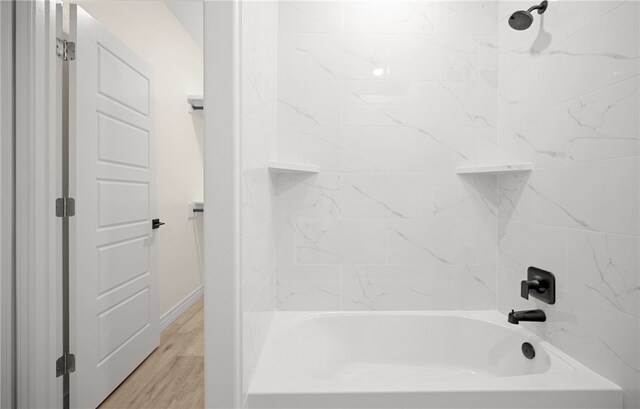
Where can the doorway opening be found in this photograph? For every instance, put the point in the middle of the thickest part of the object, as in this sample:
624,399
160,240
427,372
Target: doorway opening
136,172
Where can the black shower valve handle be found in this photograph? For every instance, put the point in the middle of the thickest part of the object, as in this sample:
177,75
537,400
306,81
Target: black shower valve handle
540,284
528,285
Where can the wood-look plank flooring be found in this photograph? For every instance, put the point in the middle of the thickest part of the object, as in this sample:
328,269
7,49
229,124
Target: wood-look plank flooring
172,377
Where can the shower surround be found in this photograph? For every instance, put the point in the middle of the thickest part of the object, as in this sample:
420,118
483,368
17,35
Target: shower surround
569,103
388,98
259,95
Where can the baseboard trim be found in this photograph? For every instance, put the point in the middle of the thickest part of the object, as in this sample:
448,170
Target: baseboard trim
178,309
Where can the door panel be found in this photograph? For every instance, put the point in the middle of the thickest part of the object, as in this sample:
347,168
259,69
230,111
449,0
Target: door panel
114,296
122,321
122,202
122,143
121,262
121,82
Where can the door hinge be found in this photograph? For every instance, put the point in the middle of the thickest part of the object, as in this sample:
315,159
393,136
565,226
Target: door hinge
66,364
65,207
65,49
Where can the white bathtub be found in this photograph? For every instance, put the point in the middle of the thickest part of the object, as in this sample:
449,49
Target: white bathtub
417,360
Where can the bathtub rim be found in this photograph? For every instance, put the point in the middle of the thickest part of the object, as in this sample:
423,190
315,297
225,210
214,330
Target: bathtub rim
270,378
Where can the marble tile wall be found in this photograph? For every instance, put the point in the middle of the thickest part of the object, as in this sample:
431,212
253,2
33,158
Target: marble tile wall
387,98
569,103
259,95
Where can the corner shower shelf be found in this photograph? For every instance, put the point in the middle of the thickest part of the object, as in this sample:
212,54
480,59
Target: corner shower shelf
495,169
287,167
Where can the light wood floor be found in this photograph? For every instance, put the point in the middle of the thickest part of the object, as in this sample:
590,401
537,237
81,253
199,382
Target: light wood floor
173,375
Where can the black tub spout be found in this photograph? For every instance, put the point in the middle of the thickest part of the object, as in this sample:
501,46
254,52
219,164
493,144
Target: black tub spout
529,315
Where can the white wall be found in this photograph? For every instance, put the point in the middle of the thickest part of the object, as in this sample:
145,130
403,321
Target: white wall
190,14
151,30
388,98
570,104
259,87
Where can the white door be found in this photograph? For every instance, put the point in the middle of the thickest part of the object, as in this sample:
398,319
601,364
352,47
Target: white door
113,266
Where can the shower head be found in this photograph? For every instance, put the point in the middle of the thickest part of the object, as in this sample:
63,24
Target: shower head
522,19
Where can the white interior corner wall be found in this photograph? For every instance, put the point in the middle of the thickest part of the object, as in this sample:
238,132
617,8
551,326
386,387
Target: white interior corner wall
189,13
222,278
152,31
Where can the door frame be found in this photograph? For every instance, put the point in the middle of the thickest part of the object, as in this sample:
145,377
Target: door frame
222,196
7,228
38,182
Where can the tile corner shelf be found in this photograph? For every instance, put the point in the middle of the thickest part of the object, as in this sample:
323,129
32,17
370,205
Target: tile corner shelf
495,169
287,167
